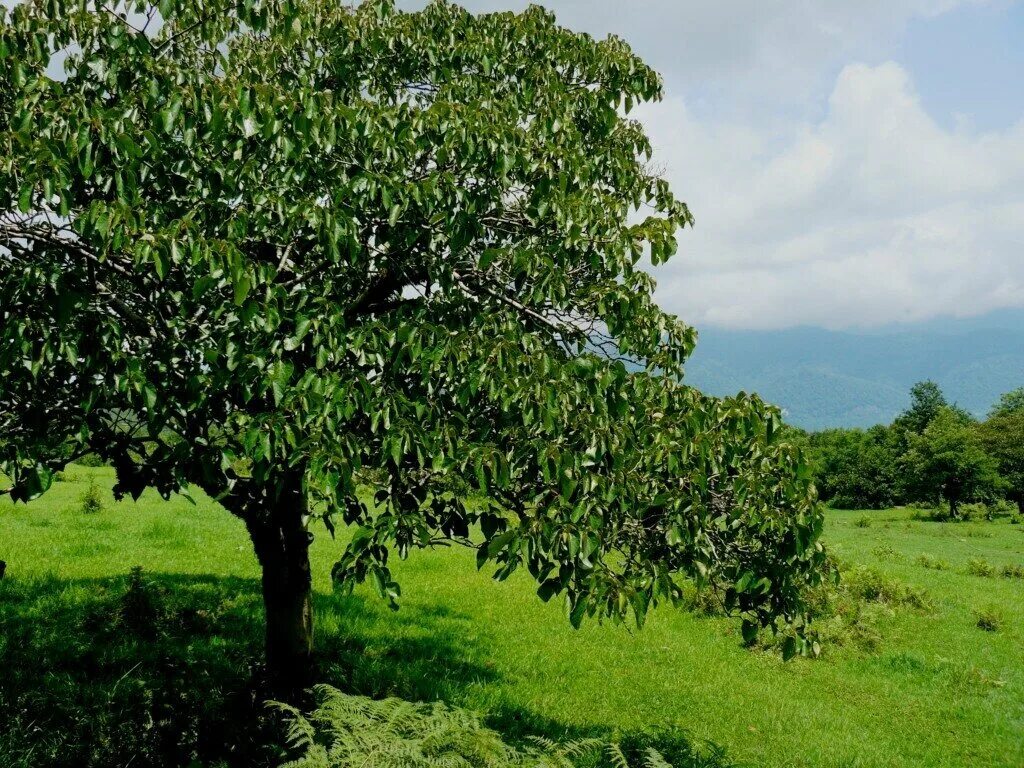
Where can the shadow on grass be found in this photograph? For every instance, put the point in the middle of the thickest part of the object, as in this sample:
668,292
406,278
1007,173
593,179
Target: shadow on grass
159,670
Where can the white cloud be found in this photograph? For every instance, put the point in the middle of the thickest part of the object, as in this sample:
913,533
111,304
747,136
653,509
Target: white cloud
873,214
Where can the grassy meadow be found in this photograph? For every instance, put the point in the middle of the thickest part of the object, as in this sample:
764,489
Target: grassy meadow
98,668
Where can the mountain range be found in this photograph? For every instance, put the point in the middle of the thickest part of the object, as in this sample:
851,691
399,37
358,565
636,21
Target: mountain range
824,378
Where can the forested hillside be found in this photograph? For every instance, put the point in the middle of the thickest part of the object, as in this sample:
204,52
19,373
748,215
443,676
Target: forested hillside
828,378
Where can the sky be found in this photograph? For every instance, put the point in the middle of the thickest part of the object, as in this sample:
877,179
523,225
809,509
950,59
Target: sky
849,164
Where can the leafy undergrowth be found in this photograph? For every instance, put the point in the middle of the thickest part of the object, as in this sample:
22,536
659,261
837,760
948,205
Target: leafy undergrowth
845,611
345,731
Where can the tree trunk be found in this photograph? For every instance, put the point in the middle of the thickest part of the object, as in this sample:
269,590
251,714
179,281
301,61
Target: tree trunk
954,509
1020,504
281,542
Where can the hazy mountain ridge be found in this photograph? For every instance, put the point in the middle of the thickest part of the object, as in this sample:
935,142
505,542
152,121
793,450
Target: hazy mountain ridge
828,378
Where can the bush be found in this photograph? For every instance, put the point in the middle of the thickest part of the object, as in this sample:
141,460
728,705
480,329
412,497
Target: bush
347,731
989,619
885,552
1012,572
978,567
976,511
848,612
932,563
702,602
863,522
90,460
872,586
92,500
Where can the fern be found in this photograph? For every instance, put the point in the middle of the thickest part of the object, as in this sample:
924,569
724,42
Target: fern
348,731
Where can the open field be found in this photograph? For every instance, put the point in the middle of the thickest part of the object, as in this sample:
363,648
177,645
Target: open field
89,677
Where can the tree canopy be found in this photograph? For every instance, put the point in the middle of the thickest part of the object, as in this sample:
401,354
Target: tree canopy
948,462
285,250
1002,435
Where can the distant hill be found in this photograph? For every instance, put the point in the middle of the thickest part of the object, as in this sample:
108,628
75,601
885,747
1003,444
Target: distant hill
825,378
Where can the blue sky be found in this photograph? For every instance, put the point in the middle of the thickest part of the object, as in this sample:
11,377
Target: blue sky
850,164
969,61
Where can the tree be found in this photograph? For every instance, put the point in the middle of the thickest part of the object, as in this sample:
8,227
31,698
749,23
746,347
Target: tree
277,249
858,469
926,400
1009,403
1002,436
947,462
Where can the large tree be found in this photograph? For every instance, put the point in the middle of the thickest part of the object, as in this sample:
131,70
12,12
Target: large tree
1002,435
283,250
926,402
948,462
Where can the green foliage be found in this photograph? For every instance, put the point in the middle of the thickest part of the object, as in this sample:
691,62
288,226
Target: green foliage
932,563
947,461
926,401
1012,571
1009,404
90,460
1002,435
932,453
989,619
976,566
346,731
848,609
858,469
91,501
268,250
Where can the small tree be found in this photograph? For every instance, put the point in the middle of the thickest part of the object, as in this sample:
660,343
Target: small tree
276,249
947,462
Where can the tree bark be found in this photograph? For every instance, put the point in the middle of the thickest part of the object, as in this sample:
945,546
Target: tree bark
281,542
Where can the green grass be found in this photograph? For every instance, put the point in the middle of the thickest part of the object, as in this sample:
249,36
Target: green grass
81,676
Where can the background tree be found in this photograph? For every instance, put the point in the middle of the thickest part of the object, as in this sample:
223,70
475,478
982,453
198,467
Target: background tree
926,401
1002,436
859,469
275,249
1009,403
947,462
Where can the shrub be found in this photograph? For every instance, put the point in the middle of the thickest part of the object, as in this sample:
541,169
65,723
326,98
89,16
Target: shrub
90,460
872,586
863,522
702,602
92,500
885,552
976,511
989,619
978,567
1012,572
347,731
932,563
141,607
848,612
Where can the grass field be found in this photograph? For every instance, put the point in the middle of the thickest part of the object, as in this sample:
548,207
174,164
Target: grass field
91,677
